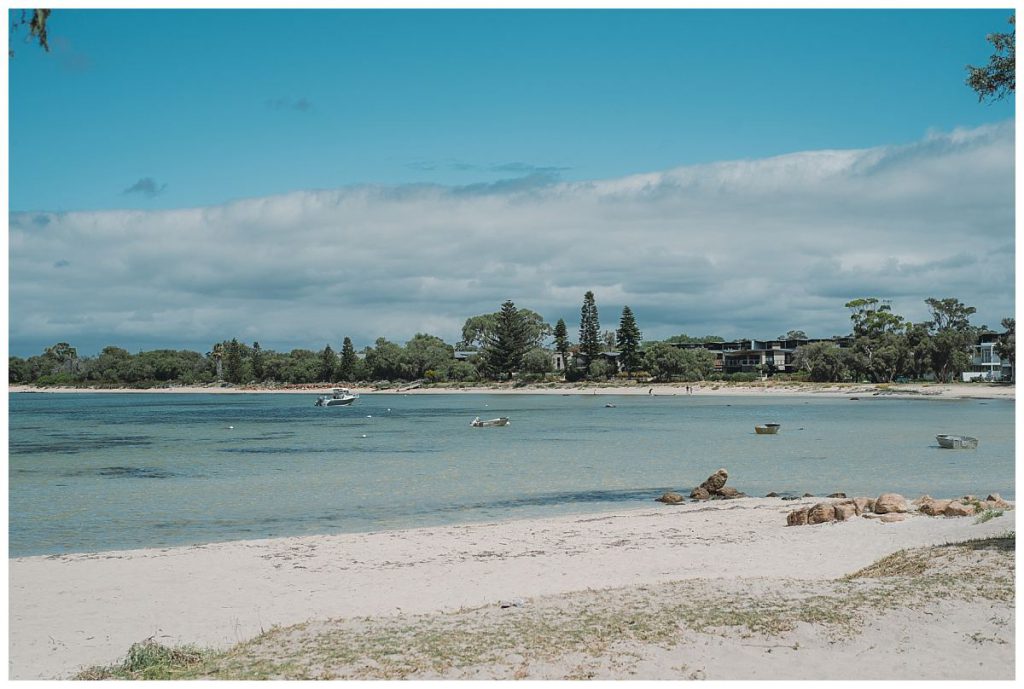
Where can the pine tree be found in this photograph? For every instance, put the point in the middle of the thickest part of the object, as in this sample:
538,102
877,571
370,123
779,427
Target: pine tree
505,346
562,341
590,328
233,362
256,359
328,362
628,339
347,367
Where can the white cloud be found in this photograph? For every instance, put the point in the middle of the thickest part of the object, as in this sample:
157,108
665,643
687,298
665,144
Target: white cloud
744,248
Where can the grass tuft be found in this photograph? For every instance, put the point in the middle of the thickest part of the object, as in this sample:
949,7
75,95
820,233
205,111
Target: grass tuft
149,660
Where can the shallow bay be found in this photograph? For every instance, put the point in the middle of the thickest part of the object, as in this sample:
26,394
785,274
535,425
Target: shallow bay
95,472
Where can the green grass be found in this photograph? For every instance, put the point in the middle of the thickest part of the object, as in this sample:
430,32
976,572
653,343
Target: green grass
988,515
151,660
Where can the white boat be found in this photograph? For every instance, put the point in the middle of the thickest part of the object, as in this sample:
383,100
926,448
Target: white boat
767,429
339,397
957,442
500,421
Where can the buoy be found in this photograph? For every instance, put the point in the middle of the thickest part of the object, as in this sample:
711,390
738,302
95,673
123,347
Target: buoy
364,435
230,427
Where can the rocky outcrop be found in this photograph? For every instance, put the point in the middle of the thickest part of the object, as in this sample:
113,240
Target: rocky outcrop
837,495
934,508
958,509
892,517
671,498
821,513
887,503
797,517
845,509
864,505
997,501
714,488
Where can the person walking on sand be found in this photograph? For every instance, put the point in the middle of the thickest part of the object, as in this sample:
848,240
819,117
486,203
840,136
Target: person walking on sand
651,391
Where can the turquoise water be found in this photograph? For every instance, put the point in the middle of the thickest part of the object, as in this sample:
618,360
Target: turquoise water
91,472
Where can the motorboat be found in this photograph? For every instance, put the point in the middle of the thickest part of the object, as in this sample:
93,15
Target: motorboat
767,428
500,421
957,442
339,397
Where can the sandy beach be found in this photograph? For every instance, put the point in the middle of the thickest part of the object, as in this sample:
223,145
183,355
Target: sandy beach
768,388
566,573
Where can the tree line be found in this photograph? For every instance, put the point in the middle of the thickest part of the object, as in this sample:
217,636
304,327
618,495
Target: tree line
513,344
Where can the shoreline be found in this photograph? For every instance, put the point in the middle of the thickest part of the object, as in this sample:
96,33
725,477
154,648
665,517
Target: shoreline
70,611
713,389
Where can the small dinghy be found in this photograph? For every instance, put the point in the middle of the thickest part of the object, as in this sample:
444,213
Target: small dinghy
500,421
957,442
767,428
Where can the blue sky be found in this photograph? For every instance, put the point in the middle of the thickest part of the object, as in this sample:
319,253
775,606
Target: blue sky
161,111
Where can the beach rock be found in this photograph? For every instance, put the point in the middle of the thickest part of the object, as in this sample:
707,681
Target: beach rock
789,497
935,508
729,492
773,494
671,498
715,481
968,498
845,509
808,495
837,495
797,518
864,505
821,513
700,493
892,517
887,503
922,500
997,501
958,509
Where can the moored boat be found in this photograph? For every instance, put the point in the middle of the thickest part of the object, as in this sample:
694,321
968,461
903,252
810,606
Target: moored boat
957,442
500,421
339,397
767,429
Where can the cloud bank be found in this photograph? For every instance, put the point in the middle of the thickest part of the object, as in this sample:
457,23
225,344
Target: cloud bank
748,248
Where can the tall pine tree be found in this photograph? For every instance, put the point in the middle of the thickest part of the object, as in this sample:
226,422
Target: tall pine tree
347,367
562,341
505,346
628,338
328,362
590,328
233,361
256,359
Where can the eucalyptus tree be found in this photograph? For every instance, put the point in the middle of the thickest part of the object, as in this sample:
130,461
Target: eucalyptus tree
425,353
1006,344
628,338
952,337
478,329
878,344
997,79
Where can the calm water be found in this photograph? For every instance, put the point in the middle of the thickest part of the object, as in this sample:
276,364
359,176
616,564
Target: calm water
92,472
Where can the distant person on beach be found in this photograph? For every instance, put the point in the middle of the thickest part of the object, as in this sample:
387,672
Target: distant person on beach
651,391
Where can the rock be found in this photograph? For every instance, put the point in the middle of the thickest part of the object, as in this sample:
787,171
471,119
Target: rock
821,513
958,509
773,494
968,498
935,508
790,497
837,495
797,518
715,481
729,492
808,495
845,509
700,493
892,517
997,501
890,502
671,499
922,500
864,505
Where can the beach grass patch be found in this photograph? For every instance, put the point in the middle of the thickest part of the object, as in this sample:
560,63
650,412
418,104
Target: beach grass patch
150,660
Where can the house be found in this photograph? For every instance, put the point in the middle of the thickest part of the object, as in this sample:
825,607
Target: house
757,356
985,363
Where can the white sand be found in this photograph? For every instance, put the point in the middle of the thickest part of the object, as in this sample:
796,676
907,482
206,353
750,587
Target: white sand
768,388
67,612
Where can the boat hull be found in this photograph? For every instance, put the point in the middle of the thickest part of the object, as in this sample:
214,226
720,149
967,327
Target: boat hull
767,429
957,442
